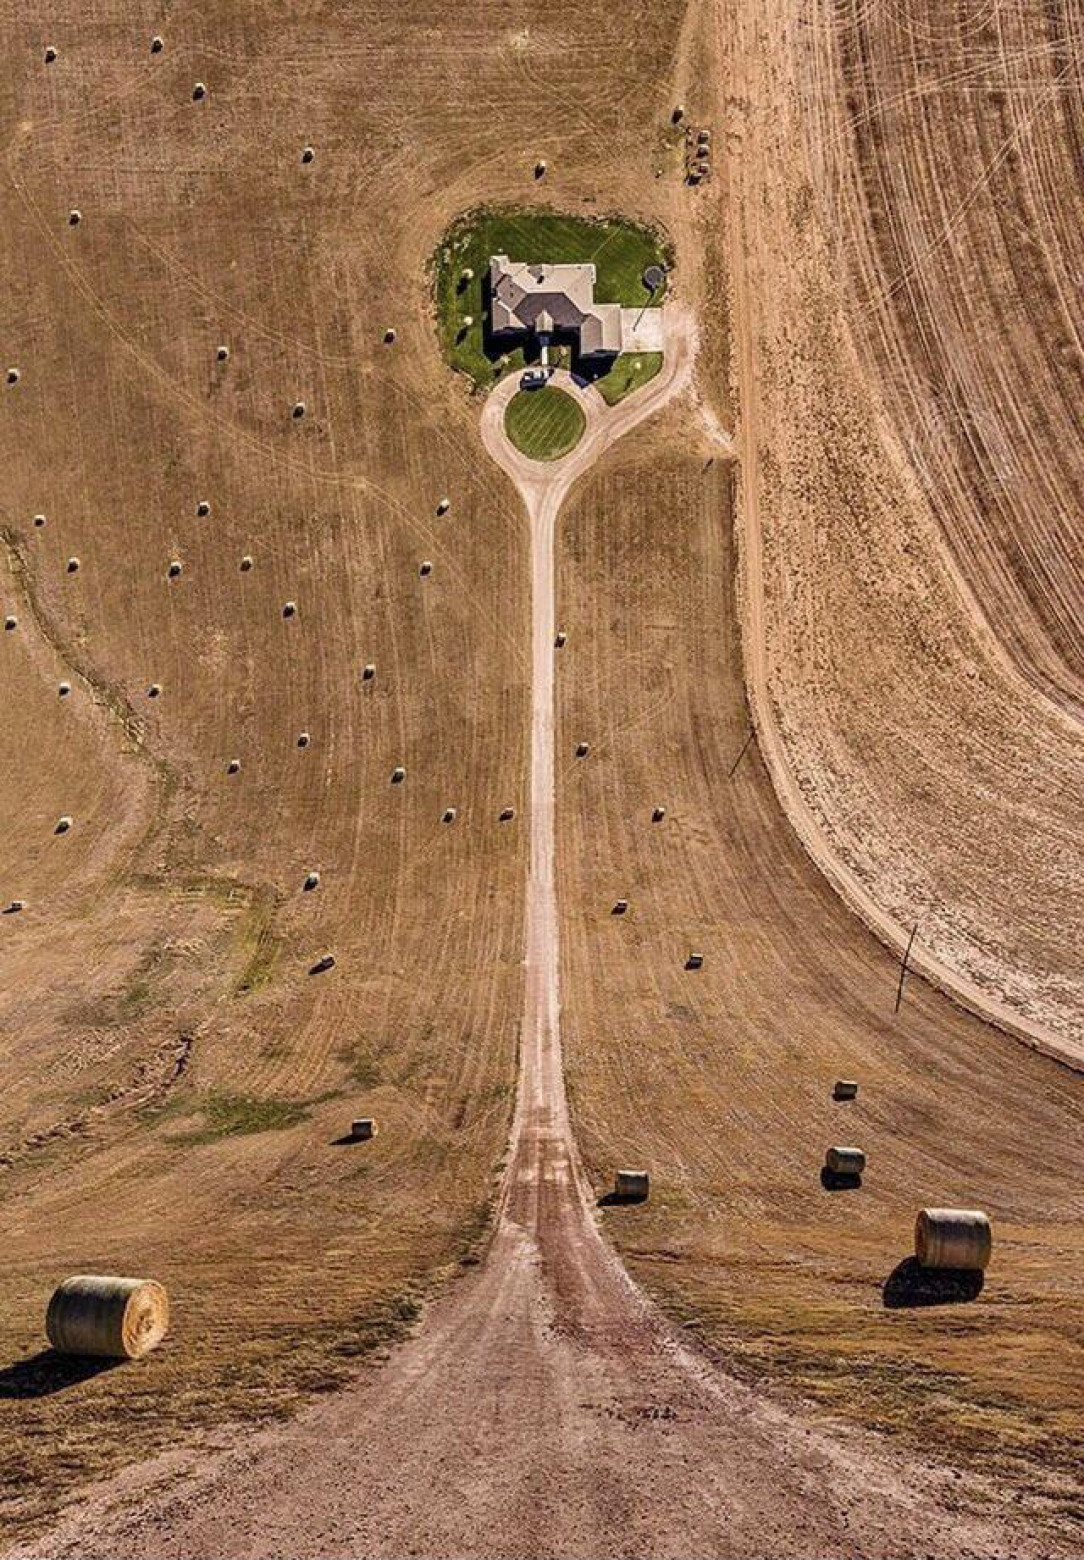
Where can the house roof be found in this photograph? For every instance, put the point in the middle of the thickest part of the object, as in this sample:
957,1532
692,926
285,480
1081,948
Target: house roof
563,296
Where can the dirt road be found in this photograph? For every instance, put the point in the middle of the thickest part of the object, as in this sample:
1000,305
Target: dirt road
543,1407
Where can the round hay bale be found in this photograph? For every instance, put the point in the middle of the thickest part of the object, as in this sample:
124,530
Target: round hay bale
620,907
289,609
39,521
154,690
203,508
507,814
632,1185
540,168
63,824
223,354
845,1161
658,814
63,689
561,640
679,113
362,1129
443,506
14,906
953,1238
582,749
398,775
303,739
298,409
448,815
13,376
73,565
112,1318
389,336
695,961
426,569
157,44
234,766
199,92
312,880
11,623
246,563
368,672
50,54
468,321
845,1089
307,154
75,216
324,963
176,568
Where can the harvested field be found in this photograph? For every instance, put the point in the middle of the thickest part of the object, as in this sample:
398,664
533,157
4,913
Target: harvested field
918,759
242,944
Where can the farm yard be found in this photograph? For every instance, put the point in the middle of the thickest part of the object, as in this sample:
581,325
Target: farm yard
403,842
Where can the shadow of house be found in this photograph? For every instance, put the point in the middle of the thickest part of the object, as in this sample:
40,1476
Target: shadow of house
47,1372
909,1285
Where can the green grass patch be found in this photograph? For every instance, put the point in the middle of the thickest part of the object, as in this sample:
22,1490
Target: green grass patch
619,250
630,372
544,423
237,1115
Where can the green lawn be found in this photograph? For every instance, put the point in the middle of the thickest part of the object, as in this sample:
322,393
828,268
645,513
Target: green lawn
630,371
545,423
619,250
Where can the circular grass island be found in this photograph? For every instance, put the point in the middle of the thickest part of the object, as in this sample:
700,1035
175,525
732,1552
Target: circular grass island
544,424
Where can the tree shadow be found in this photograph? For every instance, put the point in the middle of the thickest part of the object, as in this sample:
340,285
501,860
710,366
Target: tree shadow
47,1372
909,1284
840,1180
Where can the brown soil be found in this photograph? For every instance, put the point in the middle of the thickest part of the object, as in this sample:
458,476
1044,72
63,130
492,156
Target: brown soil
175,1078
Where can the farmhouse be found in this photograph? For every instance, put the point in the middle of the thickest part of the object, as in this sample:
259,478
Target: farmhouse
548,298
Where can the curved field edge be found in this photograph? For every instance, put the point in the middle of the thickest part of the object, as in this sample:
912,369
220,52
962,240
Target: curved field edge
973,976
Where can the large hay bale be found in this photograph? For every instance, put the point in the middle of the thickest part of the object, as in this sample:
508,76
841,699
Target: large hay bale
845,1161
13,376
953,1238
63,824
114,1318
561,639
11,623
695,961
632,1185
582,749
658,814
845,1089
363,1129
308,154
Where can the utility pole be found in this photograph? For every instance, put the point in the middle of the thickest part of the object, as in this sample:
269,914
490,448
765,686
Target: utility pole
903,965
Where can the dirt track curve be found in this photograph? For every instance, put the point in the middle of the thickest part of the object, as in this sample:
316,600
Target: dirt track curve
544,1407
